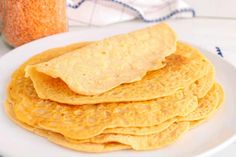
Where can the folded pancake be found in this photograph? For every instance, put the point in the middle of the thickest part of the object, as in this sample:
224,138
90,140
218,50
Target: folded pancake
182,68
104,147
206,105
164,137
125,92
211,109
109,142
145,142
81,122
212,99
60,139
199,88
105,64
141,130
168,136
202,86
71,120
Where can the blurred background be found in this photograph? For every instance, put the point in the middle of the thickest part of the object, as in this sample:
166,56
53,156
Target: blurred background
22,21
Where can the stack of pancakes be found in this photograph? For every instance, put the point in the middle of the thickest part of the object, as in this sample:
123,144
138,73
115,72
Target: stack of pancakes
148,111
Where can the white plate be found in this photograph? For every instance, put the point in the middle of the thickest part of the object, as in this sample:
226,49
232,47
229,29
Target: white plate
206,139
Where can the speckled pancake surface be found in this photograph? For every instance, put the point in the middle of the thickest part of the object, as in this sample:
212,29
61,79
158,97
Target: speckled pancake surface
144,142
207,104
182,68
206,107
172,132
141,130
143,115
102,143
89,120
105,64
60,140
64,119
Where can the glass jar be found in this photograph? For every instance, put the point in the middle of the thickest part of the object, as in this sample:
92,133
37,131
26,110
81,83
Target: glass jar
27,20
1,14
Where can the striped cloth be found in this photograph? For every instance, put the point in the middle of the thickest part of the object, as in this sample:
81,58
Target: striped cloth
105,12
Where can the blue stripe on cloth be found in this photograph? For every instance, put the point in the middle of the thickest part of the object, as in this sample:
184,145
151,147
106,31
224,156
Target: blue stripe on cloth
219,52
75,6
174,12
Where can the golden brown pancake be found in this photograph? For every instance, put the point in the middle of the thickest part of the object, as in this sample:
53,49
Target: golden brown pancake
60,140
141,130
206,105
182,68
81,122
165,104
103,65
111,141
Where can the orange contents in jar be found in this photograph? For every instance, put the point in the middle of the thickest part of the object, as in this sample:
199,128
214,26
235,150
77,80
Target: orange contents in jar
27,20
1,14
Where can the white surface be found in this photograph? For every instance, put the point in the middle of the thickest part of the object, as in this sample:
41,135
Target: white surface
214,8
206,139
214,29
